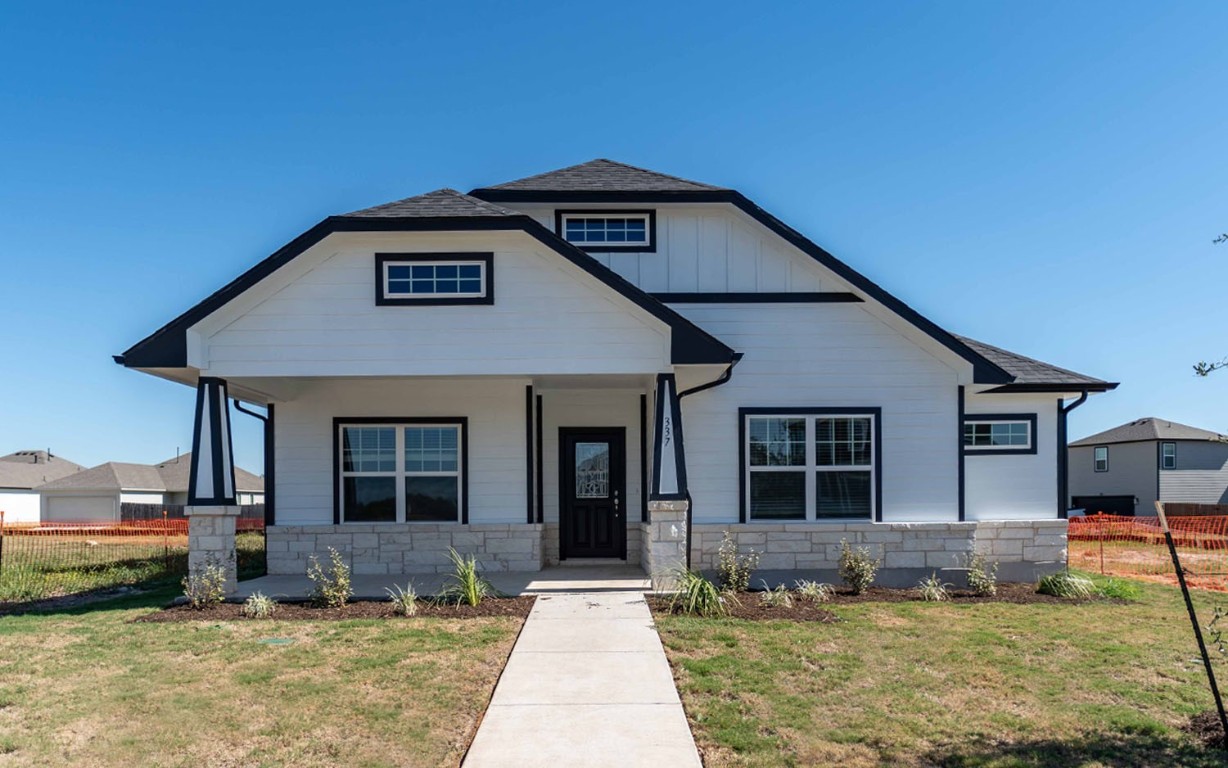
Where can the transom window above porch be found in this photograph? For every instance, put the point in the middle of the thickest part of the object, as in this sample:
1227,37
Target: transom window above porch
400,471
608,230
433,279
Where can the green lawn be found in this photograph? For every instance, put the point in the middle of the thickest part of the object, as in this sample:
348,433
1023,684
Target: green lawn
917,684
87,687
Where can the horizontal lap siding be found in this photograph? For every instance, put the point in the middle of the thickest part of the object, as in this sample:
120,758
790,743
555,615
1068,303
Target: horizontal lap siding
495,409
1014,487
1201,476
826,355
325,322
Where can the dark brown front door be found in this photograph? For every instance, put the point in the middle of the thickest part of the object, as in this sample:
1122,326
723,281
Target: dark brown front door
592,493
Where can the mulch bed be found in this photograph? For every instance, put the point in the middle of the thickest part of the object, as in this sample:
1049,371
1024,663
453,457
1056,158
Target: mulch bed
1205,727
516,607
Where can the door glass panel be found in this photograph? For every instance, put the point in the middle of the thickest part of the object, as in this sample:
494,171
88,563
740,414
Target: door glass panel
592,470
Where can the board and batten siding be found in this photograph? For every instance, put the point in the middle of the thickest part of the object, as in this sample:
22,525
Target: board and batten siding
494,408
317,317
1132,472
707,249
1201,476
825,355
1013,486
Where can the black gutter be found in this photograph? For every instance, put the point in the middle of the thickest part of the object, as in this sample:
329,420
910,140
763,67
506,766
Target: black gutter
1063,454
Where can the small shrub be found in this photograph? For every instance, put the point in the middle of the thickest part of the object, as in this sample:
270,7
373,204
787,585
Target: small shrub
697,596
932,589
331,584
733,569
1119,589
775,598
1066,585
404,601
814,591
857,567
259,606
466,584
206,587
982,577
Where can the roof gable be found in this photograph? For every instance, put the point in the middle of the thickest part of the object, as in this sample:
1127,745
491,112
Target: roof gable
601,175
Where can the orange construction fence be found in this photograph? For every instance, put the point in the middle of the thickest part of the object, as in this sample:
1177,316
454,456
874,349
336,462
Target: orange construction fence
1134,546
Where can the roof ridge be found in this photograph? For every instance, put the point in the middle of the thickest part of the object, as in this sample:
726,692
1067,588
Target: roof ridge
656,173
605,162
403,204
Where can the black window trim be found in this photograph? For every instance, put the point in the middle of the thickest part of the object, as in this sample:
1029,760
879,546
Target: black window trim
400,421
650,213
1096,461
435,300
1030,418
876,512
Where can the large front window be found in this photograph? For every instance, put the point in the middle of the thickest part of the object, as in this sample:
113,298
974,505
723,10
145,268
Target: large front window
393,473
810,466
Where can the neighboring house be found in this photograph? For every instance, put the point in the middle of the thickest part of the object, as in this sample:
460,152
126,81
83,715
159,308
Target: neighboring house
23,471
1124,470
509,372
95,494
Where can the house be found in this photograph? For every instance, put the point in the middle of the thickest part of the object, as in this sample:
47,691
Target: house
1124,470
95,494
23,471
512,372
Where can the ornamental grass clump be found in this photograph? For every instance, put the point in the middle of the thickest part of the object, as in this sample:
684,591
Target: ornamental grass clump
207,586
404,601
813,591
857,567
982,577
734,569
466,584
1067,585
331,584
775,598
697,596
259,606
932,589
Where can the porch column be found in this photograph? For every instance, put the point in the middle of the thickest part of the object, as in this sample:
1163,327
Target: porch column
668,504
212,511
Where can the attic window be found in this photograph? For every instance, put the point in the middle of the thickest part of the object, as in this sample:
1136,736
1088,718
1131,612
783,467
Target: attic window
433,278
608,231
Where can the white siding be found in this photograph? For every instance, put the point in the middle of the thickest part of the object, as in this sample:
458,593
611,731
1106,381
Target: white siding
19,506
318,317
153,497
826,355
1014,487
495,409
710,249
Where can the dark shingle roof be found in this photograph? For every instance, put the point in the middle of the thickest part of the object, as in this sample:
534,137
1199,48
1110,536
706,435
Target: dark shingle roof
1028,371
175,473
444,203
1148,429
603,175
30,469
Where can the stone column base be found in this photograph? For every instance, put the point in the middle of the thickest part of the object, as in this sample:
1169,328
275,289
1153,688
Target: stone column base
665,542
211,539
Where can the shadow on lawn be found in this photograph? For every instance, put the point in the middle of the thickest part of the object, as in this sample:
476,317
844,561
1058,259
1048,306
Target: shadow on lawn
1126,750
153,596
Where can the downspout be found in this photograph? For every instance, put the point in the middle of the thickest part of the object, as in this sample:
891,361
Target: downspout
270,511
1063,455
718,381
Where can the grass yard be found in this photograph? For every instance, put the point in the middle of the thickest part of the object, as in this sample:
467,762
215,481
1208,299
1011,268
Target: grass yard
87,687
920,684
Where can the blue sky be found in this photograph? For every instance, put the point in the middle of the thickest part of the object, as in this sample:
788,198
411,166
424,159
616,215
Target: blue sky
1046,177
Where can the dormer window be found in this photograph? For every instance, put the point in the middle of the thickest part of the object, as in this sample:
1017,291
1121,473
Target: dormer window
433,278
608,231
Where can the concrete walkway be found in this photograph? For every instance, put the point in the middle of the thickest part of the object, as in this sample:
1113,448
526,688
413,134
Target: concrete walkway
587,685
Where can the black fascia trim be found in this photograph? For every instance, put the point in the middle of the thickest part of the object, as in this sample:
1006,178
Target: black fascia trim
1030,418
959,435
643,458
167,347
984,370
530,502
785,410
650,213
1100,386
431,300
461,421
822,297
675,406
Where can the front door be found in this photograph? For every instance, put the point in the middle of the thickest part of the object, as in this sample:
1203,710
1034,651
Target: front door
592,493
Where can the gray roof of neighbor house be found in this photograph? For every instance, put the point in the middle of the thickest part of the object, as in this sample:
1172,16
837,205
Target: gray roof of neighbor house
30,469
1148,429
1030,373
170,476
442,202
604,175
